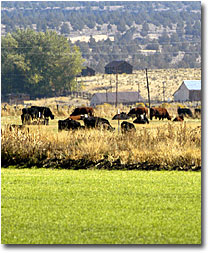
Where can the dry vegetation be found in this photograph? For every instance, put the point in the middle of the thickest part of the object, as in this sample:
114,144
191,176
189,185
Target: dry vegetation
159,145
172,78
155,146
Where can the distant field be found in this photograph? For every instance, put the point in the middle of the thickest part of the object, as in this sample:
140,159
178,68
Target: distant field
173,78
44,206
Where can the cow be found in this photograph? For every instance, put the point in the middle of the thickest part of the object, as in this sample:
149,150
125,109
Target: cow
127,127
82,111
197,112
185,112
36,112
142,119
26,118
179,118
33,112
43,112
137,111
160,113
121,116
78,117
97,122
68,124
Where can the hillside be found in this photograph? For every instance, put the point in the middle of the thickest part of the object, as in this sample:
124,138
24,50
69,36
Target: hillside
150,34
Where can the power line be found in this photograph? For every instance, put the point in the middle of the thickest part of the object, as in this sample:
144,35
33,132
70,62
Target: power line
117,45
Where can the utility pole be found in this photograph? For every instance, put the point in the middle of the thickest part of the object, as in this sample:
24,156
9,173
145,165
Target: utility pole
164,87
138,92
148,89
116,88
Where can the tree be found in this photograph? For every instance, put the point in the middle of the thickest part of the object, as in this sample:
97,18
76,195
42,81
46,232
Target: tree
65,28
40,64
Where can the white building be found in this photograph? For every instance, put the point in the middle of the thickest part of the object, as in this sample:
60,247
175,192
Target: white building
125,98
190,90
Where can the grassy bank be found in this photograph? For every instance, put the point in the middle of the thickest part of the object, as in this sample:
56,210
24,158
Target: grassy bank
160,145
42,206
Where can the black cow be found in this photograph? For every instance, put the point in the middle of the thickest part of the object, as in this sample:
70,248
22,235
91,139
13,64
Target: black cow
36,112
127,127
26,118
121,116
68,124
43,112
141,120
97,122
185,112
197,112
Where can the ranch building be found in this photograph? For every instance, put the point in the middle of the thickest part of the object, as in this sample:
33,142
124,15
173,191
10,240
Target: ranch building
119,67
125,98
88,72
15,98
190,90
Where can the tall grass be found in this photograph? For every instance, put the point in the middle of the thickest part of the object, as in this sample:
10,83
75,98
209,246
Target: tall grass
167,145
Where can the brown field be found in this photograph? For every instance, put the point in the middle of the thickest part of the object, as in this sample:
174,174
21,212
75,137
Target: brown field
160,144
163,144
172,78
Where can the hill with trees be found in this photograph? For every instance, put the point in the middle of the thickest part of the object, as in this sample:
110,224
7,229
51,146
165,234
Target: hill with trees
148,34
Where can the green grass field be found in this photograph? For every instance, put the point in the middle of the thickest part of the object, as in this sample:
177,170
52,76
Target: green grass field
44,206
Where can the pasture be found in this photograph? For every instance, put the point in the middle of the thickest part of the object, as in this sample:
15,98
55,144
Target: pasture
45,206
116,188
159,144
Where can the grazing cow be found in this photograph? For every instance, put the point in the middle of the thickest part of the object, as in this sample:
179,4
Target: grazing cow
127,127
184,111
179,118
121,116
137,111
43,112
142,119
78,117
26,119
82,111
68,124
97,122
36,112
197,112
160,113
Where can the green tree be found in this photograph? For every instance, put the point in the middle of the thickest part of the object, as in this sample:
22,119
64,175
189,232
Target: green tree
40,64
65,28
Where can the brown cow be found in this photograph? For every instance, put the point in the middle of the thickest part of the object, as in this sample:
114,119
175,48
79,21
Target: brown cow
179,118
78,117
137,111
82,111
160,113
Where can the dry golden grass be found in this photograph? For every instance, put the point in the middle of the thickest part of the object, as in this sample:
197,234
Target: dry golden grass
159,143
172,78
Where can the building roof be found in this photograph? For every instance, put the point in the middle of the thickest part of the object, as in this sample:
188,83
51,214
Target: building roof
123,97
115,64
193,84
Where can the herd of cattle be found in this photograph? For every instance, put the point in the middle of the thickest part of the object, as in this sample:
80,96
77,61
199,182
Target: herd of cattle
86,114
